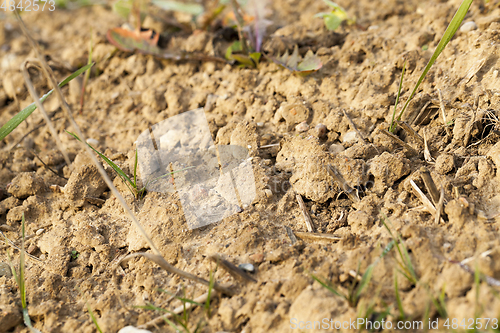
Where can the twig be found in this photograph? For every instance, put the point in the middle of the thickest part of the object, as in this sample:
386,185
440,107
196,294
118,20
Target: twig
420,112
45,165
269,146
160,261
427,154
307,218
409,130
314,236
339,179
443,113
489,280
180,309
36,98
290,234
11,243
430,185
399,141
31,131
354,127
235,271
427,203
439,207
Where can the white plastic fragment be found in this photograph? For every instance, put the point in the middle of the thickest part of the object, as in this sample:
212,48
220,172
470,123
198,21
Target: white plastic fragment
132,329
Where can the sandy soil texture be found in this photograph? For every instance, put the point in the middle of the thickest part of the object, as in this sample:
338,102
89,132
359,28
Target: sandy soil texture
343,166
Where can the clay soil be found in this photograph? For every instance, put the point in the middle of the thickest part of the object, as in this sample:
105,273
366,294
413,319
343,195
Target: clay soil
79,232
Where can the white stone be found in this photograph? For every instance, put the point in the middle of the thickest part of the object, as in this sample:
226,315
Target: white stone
336,148
468,26
132,329
302,127
350,137
92,142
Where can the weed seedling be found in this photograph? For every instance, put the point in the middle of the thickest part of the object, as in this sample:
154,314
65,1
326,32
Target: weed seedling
356,290
406,268
334,18
20,279
447,36
89,310
180,322
132,185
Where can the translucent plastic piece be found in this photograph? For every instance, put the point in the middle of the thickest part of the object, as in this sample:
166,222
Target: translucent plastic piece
178,155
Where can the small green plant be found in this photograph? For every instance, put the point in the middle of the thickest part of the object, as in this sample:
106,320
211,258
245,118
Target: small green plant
405,265
74,255
447,36
247,50
20,278
27,111
89,310
132,185
406,268
334,18
181,322
357,288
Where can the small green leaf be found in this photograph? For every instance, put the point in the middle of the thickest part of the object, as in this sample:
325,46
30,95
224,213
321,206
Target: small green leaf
311,63
332,21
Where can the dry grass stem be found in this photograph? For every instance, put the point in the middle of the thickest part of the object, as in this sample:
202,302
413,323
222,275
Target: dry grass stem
399,141
36,98
307,218
232,269
314,236
354,127
427,203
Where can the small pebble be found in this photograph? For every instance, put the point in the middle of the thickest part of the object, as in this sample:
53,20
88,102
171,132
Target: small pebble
247,267
260,124
268,193
320,130
302,127
5,270
92,142
468,26
350,137
39,232
257,258
336,148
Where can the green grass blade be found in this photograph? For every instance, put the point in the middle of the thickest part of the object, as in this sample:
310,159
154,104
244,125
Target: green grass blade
210,287
365,280
397,97
447,36
115,167
328,287
94,320
22,286
398,297
25,113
